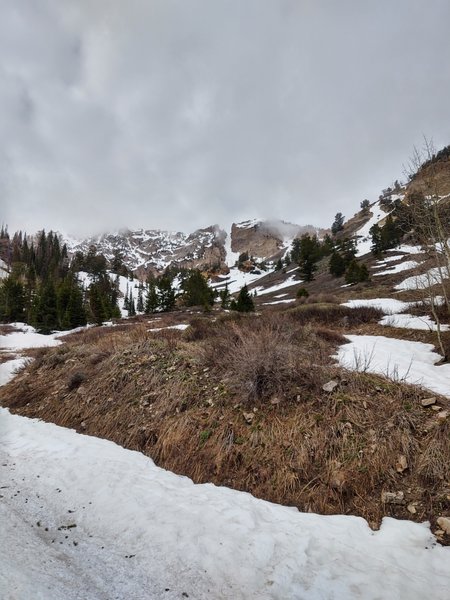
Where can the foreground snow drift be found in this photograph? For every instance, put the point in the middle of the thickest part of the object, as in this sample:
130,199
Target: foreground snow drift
400,360
83,518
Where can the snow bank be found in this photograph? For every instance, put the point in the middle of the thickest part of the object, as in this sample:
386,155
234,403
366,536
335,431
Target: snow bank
236,280
289,282
387,305
425,280
407,321
180,326
405,266
132,530
26,337
399,360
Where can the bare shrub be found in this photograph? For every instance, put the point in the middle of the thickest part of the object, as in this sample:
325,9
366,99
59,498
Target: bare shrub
75,380
263,360
199,329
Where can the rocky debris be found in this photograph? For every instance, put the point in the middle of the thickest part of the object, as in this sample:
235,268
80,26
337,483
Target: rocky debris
275,400
330,386
393,497
442,415
248,417
444,524
402,464
411,508
425,402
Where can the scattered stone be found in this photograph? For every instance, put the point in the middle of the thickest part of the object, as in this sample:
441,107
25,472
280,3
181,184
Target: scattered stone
412,508
248,417
275,400
444,524
402,464
428,401
83,425
442,415
393,497
330,386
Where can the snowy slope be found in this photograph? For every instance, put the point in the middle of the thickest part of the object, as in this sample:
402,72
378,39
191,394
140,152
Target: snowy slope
83,518
400,360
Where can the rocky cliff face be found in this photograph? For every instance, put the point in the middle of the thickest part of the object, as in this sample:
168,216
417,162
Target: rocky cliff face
267,240
145,251
209,249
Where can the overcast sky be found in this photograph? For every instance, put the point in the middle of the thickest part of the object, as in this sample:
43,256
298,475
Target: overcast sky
183,113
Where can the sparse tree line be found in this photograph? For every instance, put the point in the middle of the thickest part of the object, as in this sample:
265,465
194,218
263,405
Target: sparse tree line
43,286
308,252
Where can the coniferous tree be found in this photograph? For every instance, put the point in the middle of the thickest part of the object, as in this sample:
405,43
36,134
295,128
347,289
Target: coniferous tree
46,313
196,291
140,299
152,300
338,223
244,302
166,294
12,300
337,264
224,296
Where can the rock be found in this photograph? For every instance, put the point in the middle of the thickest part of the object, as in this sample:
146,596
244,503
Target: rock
83,425
393,497
428,401
412,508
402,464
330,386
248,417
444,524
441,416
275,400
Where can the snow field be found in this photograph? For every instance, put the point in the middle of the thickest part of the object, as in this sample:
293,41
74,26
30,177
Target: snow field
201,540
399,360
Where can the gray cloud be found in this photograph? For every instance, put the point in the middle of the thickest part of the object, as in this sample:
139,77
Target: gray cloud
178,114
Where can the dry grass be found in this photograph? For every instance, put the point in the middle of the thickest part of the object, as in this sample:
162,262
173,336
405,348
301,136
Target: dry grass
239,402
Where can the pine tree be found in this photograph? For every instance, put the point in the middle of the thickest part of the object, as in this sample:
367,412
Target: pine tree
166,294
12,300
244,302
338,223
224,296
46,314
75,315
140,299
337,264
152,300
96,304
196,291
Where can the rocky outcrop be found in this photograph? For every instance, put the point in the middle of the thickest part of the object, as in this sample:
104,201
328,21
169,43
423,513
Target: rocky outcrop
152,251
145,251
267,240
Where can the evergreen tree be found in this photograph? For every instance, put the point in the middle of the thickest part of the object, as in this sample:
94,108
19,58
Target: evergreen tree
75,315
96,304
338,223
12,300
356,272
196,291
337,264
152,300
166,294
309,254
377,240
244,302
140,299
279,265
224,296
46,313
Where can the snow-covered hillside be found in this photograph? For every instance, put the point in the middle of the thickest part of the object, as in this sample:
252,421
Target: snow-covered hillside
84,518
